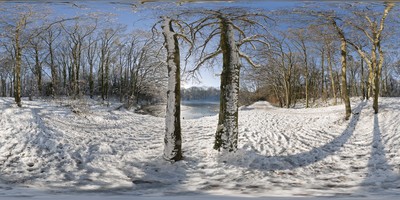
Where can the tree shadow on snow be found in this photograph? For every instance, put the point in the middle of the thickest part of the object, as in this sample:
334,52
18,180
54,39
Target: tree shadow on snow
390,105
380,172
41,157
158,176
253,160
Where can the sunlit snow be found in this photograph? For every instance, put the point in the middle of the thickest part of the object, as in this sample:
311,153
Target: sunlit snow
84,150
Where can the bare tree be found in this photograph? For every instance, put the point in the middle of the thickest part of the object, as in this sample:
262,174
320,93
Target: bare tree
226,24
107,40
300,36
77,33
343,53
331,19
50,37
173,137
16,21
36,46
90,56
372,30
281,61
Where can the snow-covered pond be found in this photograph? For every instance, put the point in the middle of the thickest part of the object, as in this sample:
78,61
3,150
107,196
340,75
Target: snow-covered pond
198,109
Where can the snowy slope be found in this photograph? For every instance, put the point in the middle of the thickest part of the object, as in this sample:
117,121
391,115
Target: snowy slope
59,147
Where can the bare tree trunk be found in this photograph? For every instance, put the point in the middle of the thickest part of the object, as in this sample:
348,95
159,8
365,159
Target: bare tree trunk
121,85
107,76
304,48
77,71
3,87
307,83
64,76
287,86
376,89
332,77
12,78
339,86
38,70
362,80
378,73
91,81
226,136
173,138
72,76
323,95
54,77
345,93
17,71
102,75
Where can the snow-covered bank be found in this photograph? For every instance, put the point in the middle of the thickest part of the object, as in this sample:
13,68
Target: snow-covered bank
50,149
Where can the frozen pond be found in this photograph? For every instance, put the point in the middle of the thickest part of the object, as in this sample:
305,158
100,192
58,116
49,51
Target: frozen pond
198,109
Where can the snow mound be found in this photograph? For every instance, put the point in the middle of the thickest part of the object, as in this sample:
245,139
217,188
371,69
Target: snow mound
260,105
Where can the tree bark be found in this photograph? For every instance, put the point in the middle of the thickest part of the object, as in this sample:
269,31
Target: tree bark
173,138
345,93
54,76
17,71
323,75
378,73
343,52
91,81
38,70
331,76
3,84
77,71
226,137
106,76
307,83
288,94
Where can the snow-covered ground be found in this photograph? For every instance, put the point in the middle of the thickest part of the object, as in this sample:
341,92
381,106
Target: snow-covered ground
64,150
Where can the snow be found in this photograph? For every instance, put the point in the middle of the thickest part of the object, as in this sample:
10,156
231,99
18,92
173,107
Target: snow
47,151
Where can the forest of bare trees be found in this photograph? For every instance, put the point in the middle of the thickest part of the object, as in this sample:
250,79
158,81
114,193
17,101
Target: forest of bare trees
77,56
309,53
305,62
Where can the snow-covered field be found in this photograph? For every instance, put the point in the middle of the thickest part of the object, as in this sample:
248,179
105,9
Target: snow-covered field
50,149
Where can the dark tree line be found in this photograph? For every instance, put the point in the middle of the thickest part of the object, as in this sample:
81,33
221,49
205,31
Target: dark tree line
200,93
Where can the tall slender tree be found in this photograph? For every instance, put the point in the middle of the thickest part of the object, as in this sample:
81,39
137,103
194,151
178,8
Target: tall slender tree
343,53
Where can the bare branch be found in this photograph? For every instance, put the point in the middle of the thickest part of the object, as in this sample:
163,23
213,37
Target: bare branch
362,29
209,38
207,57
239,30
184,37
248,59
253,38
360,51
388,7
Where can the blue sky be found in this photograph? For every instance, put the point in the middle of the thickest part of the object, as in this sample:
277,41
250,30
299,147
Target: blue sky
145,15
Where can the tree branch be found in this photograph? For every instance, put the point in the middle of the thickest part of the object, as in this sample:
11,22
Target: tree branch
253,38
360,52
388,7
248,59
207,57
